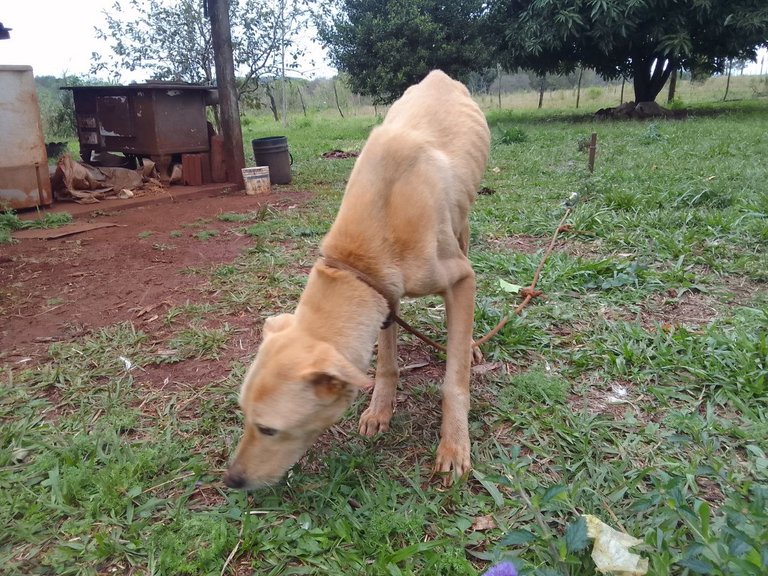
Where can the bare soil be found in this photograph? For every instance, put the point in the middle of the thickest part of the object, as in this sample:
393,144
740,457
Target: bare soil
52,290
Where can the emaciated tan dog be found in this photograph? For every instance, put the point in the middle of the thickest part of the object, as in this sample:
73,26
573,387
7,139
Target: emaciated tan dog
402,230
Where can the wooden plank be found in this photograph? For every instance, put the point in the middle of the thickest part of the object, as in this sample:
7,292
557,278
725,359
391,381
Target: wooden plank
53,233
192,169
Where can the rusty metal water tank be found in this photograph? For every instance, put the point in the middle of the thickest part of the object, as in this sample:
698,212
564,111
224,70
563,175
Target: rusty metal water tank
24,180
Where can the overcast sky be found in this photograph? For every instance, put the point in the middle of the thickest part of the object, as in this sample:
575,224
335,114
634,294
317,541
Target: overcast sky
56,37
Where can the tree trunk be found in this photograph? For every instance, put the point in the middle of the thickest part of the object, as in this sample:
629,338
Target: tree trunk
578,88
672,86
728,81
272,103
301,99
649,76
231,130
541,92
621,97
336,95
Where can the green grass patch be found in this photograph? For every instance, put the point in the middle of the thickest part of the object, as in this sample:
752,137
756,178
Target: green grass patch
9,222
204,235
633,389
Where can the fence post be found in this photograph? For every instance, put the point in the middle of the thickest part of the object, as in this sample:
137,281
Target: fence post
592,149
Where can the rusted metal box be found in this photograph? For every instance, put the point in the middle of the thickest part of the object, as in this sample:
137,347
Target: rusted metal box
24,180
153,119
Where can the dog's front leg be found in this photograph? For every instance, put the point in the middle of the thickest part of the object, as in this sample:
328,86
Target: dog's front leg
378,414
453,453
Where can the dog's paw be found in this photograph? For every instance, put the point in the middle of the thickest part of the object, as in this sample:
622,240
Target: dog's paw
372,422
452,461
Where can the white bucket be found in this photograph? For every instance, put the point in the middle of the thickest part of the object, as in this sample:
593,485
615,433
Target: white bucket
257,180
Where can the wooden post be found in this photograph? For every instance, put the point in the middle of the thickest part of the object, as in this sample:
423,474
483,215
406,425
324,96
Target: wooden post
578,88
672,86
221,37
498,80
592,150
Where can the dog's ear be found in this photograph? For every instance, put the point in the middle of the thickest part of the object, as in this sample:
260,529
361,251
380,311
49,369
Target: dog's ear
278,323
334,376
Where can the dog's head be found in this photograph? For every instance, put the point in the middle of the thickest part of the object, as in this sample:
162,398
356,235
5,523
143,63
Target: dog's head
296,388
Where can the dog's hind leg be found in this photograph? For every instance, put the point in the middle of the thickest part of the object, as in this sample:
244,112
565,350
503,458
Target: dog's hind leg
477,354
378,414
453,453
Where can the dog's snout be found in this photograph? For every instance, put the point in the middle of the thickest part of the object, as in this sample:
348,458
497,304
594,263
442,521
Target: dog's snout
234,479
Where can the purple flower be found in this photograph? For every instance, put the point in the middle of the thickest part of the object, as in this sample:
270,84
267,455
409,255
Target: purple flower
503,569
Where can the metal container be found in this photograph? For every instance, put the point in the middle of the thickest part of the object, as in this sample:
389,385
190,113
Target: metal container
273,152
24,180
155,119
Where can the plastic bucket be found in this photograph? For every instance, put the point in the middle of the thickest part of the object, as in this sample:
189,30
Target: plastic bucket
273,152
256,180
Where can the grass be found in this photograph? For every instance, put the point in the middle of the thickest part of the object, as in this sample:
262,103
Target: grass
634,390
204,235
9,222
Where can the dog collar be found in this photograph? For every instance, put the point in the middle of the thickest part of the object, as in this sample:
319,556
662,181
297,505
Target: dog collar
368,281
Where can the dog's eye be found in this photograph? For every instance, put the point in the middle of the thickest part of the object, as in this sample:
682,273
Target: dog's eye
267,431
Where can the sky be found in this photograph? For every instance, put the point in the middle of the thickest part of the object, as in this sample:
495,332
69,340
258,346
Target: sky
57,38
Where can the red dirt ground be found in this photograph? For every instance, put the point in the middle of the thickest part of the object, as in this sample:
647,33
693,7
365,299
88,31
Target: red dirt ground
54,290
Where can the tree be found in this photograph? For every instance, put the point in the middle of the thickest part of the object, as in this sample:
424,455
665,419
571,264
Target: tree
387,45
57,108
171,39
644,40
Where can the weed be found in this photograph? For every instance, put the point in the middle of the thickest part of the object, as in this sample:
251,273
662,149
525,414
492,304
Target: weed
256,216
226,270
204,235
513,135
199,342
652,134
198,223
9,222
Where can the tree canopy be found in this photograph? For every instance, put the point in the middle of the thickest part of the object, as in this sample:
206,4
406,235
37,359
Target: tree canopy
171,40
639,39
387,45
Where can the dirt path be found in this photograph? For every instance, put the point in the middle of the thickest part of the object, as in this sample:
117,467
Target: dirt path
54,290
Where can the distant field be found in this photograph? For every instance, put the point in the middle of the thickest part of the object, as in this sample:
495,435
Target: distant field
592,98
595,97
635,389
